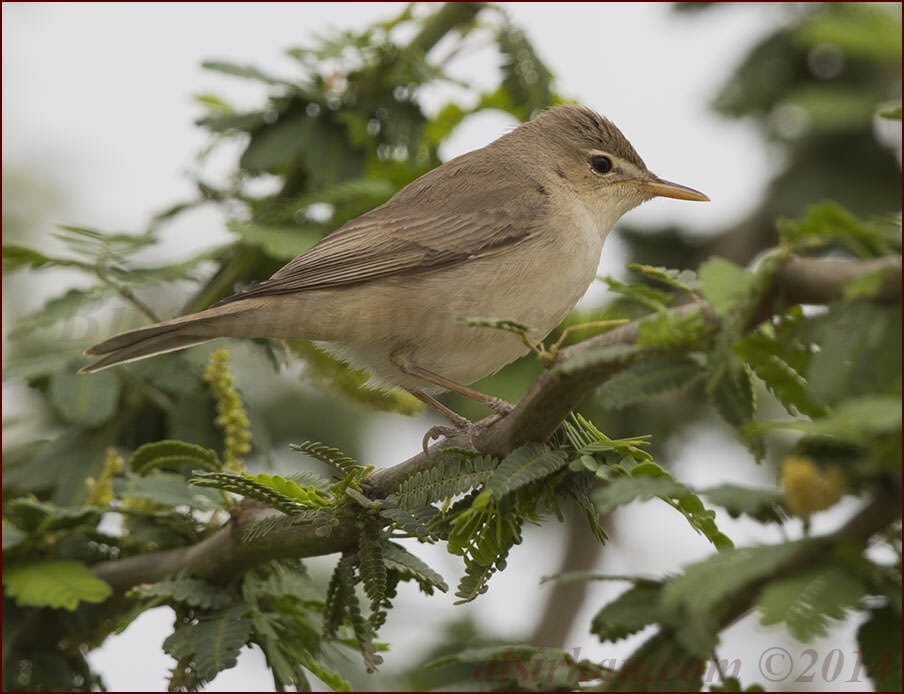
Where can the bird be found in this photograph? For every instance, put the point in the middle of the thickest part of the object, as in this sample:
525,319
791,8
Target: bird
513,230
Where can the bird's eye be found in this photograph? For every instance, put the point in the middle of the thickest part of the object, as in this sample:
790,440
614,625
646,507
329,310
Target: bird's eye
601,164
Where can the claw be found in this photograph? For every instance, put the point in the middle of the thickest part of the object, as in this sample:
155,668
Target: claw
499,406
469,430
436,433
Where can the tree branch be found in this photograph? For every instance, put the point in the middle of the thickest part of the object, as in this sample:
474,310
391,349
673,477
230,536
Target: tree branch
539,413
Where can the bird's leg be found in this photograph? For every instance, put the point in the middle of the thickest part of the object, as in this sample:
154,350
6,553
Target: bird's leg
461,424
498,405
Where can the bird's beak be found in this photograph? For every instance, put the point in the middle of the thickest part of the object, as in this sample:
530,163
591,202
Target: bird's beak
667,189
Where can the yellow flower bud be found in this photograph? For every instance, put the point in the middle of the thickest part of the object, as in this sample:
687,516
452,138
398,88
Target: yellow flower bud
809,488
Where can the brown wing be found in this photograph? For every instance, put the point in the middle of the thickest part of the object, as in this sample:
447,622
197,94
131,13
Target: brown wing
439,220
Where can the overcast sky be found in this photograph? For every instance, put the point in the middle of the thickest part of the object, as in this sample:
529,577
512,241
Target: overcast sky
97,99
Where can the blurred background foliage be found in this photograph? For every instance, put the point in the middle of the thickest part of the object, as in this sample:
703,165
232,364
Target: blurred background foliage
341,138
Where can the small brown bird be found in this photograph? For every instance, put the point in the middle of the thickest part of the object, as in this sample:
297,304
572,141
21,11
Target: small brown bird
513,230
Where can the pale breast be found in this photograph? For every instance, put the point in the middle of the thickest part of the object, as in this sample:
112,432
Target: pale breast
419,316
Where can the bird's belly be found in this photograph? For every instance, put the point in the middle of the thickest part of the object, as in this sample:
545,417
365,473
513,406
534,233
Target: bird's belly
535,284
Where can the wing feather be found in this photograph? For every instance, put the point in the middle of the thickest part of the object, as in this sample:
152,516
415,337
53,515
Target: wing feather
431,224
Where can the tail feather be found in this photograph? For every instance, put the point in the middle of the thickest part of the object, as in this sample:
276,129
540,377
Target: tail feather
167,336
147,347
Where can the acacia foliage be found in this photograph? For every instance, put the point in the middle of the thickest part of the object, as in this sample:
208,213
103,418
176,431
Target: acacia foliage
165,451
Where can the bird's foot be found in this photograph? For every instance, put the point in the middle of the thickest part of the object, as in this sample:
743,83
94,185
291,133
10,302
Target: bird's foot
499,406
463,429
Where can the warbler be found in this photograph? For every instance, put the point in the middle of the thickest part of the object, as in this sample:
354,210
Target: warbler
513,230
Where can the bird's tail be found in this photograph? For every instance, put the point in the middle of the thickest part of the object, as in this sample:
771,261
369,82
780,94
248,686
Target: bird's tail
167,336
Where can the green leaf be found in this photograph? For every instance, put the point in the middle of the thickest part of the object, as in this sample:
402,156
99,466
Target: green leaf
173,456
189,591
579,488
274,146
344,579
629,612
55,584
211,644
57,311
868,285
215,105
647,379
411,567
609,354
271,490
764,354
828,224
857,421
245,71
31,515
652,298
328,456
280,242
518,668
523,466
349,198
474,583
694,599
808,601
87,401
170,489
668,329
891,112
661,664
322,521
733,396
18,257
12,536
857,343
371,544
725,285
414,521
525,78
94,243
245,122
762,503
870,32
626,490
879,639
830,108
310,497
453,477
683,280
332,373
586,438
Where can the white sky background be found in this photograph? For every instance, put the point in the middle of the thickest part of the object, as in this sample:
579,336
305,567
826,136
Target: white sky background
97,99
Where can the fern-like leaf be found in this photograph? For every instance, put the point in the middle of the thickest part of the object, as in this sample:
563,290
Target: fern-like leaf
474,583
808,601
271,490
648,379
579,487
328,455
173,455
361,627
411,567
443,481
370,561
281,521
334,606
523,466
212,644
629,612
416,521
188,591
